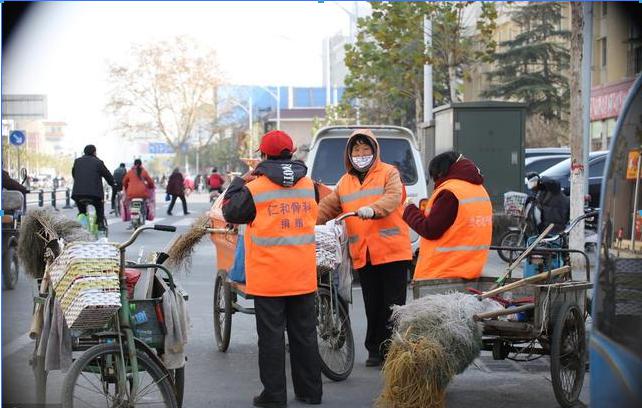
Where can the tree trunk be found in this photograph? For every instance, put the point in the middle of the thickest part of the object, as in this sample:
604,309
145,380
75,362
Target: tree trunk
576,130
452,78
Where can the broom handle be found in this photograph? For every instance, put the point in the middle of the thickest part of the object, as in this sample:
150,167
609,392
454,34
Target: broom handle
503,312
221,231
525,254
526,281
37,318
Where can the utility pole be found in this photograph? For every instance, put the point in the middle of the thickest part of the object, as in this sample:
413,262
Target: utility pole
578,85
427,72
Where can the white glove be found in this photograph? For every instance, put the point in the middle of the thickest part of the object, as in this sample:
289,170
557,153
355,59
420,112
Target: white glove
366,213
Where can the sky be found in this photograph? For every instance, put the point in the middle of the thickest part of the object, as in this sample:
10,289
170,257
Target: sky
62,49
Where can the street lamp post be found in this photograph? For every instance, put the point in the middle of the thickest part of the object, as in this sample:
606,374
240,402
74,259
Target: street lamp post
250,132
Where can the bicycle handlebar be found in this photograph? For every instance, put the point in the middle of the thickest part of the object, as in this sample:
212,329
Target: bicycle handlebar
572,225
136,233
346,215
168,228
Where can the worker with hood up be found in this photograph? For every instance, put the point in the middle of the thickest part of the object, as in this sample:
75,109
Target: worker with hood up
378,239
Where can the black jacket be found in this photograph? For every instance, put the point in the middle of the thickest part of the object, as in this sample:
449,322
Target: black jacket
554,204
119,175
238,205
87,173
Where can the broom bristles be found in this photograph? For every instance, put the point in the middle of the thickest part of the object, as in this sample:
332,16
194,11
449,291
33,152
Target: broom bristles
181,250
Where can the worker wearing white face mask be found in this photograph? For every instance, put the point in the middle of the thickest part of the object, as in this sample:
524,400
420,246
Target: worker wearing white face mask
379,241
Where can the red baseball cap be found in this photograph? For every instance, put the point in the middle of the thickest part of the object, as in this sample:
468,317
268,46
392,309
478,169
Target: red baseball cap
276,141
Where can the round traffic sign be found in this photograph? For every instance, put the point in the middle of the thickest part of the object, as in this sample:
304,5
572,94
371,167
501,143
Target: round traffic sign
17,137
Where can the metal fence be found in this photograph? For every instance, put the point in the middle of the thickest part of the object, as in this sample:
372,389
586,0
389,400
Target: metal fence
53,198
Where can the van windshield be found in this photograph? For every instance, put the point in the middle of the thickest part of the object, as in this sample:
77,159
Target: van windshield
328,166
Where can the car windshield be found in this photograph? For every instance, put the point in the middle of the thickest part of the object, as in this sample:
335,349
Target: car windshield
538,166
329,164
559,170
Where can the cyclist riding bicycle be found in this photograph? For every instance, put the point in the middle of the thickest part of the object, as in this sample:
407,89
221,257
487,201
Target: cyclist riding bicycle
119,174
87,172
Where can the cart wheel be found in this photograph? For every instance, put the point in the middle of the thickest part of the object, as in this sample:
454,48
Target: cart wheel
334,336
179,385
222,312
509,239
568,354
10,267
40,375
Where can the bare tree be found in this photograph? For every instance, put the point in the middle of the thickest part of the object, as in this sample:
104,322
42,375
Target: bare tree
164,90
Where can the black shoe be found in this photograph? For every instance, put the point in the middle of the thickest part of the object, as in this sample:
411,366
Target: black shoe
187,213
308,400
169,213
374,360
264,402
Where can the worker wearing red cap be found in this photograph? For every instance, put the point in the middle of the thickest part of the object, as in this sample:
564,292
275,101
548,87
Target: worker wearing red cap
279,205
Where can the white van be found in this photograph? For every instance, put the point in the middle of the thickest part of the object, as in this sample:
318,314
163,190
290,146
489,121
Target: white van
325,160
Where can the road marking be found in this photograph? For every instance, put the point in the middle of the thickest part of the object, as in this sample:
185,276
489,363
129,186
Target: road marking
16,345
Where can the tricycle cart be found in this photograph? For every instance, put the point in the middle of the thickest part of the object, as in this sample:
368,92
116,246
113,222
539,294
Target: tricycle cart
334,332
544,315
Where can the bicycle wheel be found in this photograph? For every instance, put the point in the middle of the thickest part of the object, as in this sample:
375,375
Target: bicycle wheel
334,336
179,385
568,355
222,312
509,239
10,267
92,380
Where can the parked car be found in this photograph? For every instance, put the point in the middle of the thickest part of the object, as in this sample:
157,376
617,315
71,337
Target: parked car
537,164
562,173
398,147
546,151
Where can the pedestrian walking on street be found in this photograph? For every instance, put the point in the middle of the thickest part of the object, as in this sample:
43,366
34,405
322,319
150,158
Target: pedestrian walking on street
277,202
379,240
456,227
176,188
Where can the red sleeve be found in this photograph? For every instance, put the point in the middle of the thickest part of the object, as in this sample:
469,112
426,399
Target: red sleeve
442,215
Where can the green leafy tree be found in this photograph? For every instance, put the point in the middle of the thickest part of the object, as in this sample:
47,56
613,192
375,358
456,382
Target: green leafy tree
532,67
386,62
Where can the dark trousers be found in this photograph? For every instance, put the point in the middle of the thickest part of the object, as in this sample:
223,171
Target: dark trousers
297,313
171,204
98,204
114,191
382,286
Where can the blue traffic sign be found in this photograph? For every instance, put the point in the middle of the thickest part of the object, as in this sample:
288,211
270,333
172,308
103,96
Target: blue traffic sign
17,137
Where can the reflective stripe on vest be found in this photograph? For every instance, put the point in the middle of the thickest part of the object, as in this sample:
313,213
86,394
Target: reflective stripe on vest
275,241
361,194
462,248
276,194
474,200
390,232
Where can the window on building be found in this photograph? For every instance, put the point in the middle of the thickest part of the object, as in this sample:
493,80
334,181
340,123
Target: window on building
603,53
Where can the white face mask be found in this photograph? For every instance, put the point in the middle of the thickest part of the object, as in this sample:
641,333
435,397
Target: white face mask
361,162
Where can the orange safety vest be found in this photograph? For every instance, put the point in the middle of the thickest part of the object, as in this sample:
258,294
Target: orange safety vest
380,240
463,249
280,253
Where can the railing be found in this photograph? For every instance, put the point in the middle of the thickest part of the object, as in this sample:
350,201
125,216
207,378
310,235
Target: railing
50,197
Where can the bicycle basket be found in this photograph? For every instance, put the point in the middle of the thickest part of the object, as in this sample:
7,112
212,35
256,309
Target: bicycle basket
327,248
514,202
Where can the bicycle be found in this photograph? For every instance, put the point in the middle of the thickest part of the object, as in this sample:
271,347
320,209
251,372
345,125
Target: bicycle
115,369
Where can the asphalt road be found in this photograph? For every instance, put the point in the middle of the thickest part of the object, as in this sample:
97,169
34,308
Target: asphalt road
215,379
